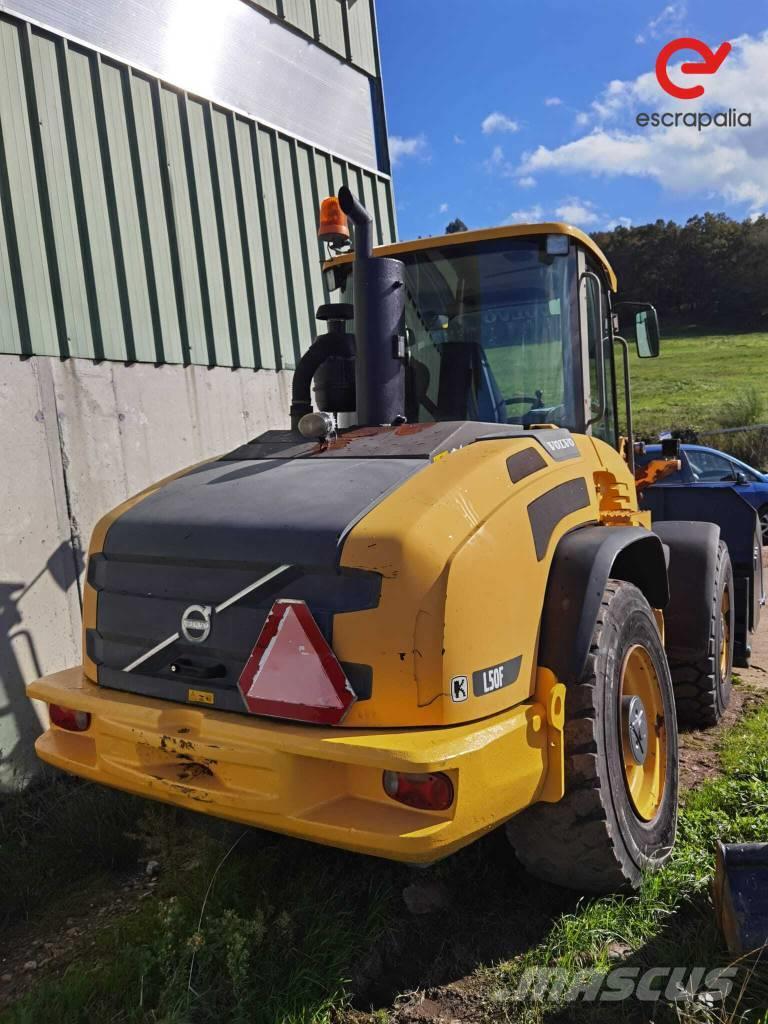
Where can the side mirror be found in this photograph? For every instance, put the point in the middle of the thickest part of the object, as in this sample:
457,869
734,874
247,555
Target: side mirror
741,478
647,332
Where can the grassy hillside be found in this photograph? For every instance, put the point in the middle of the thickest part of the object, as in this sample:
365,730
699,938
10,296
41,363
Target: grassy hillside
697,379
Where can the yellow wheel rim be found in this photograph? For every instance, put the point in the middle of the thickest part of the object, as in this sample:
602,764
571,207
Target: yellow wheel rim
643,733
725,633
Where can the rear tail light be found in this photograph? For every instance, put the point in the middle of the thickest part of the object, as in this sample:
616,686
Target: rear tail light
428,792
66,718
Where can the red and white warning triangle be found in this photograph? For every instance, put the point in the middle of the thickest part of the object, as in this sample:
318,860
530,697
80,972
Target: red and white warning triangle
292,671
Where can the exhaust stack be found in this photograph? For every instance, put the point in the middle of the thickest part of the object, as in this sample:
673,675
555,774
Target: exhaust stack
379,303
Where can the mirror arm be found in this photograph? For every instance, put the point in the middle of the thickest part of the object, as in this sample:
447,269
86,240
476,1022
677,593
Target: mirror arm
599,352
627,403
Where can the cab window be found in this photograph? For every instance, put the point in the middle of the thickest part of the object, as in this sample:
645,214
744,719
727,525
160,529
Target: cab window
706,467
492,333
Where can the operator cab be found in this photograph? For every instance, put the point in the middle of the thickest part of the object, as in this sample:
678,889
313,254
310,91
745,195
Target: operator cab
507,325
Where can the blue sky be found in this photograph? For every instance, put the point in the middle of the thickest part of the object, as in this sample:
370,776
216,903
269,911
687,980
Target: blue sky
512,110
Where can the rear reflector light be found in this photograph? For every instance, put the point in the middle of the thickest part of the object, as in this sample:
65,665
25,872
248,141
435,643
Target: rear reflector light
429,792
292,672
66,718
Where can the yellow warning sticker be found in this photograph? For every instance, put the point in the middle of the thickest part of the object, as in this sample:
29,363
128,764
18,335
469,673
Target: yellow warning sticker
200,696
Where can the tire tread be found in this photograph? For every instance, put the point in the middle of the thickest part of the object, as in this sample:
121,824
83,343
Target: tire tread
572,842
697,683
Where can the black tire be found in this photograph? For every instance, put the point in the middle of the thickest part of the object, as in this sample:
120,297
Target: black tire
703,688
593,840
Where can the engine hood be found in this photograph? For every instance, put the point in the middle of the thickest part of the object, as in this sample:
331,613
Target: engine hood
256,511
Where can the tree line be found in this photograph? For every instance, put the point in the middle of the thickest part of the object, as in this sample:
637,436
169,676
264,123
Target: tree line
710,271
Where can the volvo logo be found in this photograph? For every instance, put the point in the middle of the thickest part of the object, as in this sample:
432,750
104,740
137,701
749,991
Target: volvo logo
196,623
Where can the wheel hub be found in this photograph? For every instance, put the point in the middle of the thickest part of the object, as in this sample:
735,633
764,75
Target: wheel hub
640,714
635,728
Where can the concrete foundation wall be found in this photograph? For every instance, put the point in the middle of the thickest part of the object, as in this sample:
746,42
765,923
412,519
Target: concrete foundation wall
76,439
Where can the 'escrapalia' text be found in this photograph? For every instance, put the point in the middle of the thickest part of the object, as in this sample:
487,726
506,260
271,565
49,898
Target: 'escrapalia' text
730,118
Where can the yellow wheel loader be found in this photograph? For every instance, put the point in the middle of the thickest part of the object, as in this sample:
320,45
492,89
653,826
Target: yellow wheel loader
431,607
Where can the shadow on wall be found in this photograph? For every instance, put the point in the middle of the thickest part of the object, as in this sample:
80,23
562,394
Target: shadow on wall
19,724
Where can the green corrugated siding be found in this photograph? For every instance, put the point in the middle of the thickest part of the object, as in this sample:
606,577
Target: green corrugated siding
22,218
344,26
299,14
362,49
330,24
139,223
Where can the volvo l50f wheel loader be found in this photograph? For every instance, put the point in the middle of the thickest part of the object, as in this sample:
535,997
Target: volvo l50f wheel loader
397,635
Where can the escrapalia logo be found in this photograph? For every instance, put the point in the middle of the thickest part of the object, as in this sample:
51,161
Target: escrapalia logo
710,64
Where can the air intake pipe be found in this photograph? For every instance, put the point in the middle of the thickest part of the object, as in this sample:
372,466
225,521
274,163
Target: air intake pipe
379,302
328,361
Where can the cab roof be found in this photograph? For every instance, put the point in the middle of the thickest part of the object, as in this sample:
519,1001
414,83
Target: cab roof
482,234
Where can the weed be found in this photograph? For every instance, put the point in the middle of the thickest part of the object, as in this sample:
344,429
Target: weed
60,830
263,931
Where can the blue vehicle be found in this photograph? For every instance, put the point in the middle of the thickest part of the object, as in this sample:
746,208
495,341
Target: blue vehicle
706,467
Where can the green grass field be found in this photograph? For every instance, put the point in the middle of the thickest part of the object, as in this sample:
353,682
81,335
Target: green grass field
698,381
697,378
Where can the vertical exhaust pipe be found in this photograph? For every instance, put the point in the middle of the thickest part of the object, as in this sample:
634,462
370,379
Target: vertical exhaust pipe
379,302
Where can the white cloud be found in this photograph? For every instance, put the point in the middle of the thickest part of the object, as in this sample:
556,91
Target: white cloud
720,163
553,101
497,122
443,207
400,147
497,163
667,20
580,212
458,141
497,157
618,222
582,119
529,216
527,181
583,213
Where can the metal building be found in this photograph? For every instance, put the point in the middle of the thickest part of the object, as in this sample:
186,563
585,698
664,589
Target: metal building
160,170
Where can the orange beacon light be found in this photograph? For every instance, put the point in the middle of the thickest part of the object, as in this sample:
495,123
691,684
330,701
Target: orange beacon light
334,228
